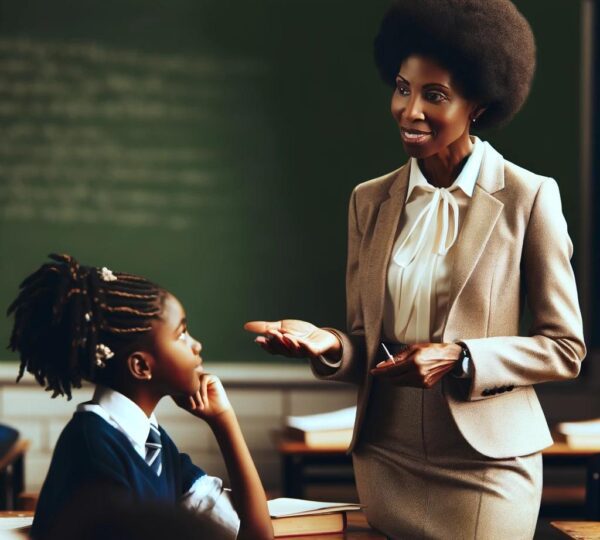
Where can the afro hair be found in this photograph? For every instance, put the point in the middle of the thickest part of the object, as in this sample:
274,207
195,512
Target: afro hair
486,45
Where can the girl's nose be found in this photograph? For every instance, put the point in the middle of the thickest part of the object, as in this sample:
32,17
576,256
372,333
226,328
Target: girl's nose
196,346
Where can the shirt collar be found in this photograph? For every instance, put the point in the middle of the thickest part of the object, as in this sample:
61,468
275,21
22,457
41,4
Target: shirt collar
124,412
466,179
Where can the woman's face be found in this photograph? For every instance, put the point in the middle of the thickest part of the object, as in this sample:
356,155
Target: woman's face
431,113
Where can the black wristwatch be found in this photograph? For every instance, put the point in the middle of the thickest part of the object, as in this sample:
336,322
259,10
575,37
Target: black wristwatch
461,367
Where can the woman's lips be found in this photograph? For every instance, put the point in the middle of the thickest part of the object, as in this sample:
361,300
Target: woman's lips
414,136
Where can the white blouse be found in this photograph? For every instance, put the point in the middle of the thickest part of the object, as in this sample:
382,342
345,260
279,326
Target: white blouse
418,279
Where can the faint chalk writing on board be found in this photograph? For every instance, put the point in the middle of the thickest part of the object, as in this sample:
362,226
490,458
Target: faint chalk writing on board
93,135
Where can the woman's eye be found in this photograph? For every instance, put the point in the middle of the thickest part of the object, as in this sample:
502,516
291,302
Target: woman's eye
435,97
402,89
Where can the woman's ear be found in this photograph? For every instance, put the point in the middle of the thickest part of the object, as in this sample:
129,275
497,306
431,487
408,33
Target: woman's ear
478,110
140,364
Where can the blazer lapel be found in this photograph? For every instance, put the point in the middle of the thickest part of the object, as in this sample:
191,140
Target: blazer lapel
384,235
480,221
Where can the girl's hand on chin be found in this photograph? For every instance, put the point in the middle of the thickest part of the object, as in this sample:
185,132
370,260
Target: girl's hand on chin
209,401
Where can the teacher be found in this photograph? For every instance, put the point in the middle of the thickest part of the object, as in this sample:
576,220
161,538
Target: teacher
442,255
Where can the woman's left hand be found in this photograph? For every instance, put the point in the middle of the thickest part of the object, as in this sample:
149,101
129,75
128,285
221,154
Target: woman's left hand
209,401
421,365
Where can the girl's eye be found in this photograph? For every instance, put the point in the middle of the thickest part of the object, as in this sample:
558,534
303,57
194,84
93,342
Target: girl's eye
183,336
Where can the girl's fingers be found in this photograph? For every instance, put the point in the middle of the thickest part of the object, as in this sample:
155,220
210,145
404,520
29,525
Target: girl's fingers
198,399
204,391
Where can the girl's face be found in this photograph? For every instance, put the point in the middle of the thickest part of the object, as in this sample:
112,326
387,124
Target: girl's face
177,354
431,113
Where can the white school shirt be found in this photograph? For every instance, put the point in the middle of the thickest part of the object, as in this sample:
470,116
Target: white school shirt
418,278
206,496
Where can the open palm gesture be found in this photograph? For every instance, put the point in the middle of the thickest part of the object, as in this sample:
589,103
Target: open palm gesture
295,338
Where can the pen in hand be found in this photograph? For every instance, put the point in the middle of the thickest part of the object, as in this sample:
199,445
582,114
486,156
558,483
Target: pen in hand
389,355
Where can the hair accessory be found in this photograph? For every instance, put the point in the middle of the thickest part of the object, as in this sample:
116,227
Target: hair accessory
88,316
107,275
103,353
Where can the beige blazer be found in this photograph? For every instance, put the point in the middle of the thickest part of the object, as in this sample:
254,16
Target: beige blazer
513,247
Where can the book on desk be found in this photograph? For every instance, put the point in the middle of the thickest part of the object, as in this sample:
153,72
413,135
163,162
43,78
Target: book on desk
291,517
580,434
325,429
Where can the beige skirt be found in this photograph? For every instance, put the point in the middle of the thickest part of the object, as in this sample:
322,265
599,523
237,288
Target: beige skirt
420,479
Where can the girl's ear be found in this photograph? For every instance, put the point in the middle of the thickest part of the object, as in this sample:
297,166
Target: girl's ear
140,364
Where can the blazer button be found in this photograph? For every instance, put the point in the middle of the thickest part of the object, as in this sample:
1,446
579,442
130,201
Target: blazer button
511,387
486,392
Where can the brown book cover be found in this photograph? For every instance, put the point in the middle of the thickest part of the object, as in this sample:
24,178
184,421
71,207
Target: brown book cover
309,524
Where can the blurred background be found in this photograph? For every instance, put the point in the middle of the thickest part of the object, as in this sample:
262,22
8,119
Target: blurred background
212,146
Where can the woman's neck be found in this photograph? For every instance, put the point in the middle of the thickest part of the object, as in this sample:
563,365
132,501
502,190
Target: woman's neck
443,168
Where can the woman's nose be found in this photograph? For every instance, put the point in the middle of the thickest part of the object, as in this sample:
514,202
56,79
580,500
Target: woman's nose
413,109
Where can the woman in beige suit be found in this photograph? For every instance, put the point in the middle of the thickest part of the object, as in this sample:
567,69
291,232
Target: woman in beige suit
442,253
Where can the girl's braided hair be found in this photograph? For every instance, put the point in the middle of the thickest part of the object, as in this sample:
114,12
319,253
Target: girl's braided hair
70,319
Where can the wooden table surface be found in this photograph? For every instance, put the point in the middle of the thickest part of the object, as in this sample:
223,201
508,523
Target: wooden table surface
357,527
286,446
579,530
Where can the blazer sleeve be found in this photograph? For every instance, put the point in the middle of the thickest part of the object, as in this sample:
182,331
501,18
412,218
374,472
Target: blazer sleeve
555,346
352,365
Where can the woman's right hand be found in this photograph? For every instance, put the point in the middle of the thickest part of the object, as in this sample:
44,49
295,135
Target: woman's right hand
295,338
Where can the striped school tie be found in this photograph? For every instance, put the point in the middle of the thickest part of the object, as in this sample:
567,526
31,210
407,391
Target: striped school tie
153,450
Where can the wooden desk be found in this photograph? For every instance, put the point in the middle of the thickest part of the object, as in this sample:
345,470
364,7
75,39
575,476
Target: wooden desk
12,474
580,530
297,457
357,527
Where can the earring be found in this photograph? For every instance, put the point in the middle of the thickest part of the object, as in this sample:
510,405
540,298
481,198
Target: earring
149,376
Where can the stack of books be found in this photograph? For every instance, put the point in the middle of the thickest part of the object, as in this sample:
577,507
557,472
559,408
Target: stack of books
582,434
321,430
293,517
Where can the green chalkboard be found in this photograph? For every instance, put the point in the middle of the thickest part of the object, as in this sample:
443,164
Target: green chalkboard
212,145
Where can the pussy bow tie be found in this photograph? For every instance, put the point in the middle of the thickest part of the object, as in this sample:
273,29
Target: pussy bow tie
435,229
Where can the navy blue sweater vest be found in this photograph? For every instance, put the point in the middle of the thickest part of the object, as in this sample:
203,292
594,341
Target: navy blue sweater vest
90,452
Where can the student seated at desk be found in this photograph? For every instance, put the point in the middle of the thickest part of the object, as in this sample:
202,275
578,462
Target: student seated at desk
129,337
